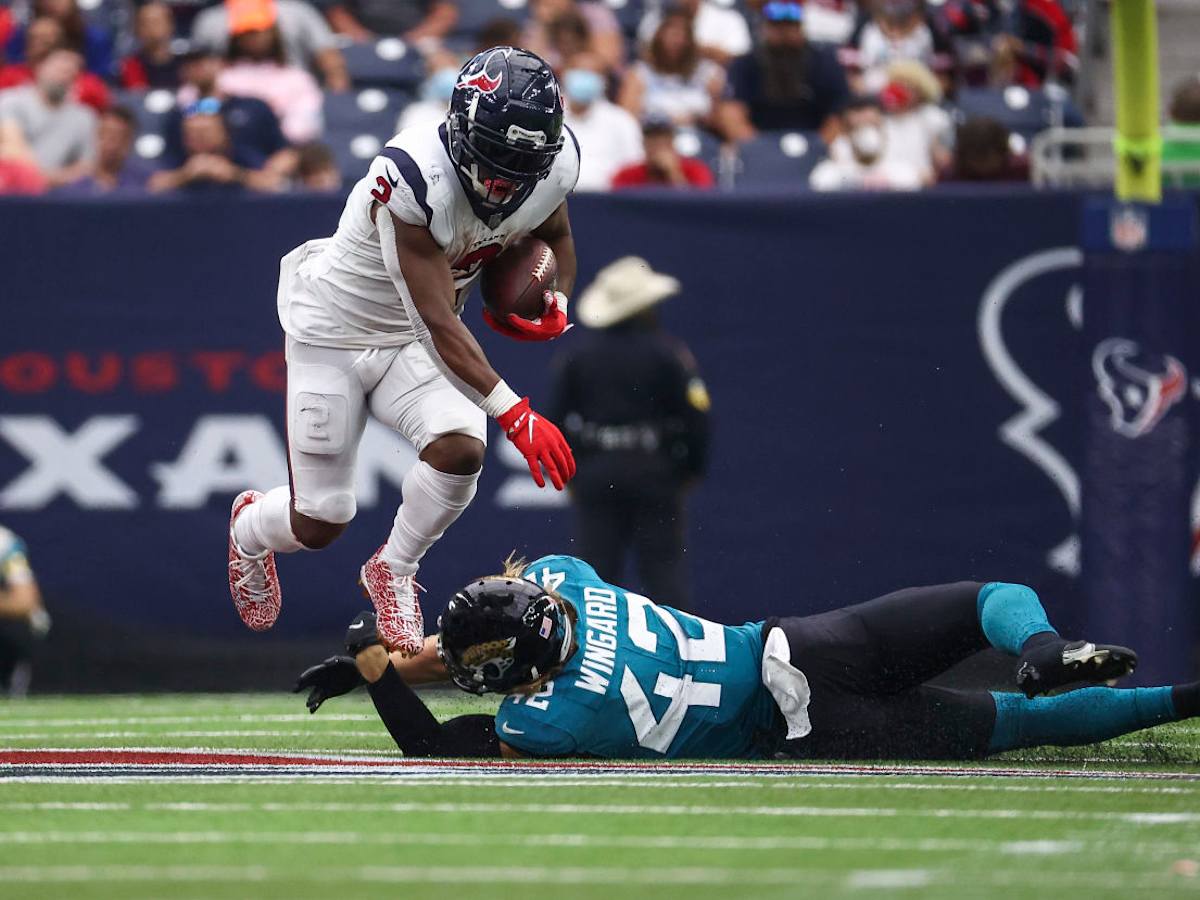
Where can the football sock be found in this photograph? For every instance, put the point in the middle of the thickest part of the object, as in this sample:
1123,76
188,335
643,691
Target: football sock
1079,717
432,500
267,524
1011,615
1186,698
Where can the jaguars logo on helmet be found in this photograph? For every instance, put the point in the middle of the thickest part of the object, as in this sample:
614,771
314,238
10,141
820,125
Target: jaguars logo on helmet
500,633
504,128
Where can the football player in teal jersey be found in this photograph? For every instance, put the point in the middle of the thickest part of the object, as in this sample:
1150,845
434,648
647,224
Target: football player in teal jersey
591,669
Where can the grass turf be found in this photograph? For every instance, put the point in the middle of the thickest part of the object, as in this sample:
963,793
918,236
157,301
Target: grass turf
517,835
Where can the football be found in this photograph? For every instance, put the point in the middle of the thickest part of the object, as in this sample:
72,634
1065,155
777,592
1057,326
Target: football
515,280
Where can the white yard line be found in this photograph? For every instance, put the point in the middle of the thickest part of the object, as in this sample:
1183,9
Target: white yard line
639,783
107,735
1040,847
181,720
649,809
700,876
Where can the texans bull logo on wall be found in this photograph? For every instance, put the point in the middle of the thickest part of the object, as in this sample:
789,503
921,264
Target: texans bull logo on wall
1139,388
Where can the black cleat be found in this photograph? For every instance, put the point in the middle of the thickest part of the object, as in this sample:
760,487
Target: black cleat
1053,666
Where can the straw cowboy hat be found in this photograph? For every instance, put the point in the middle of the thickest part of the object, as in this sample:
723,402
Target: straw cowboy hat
623,289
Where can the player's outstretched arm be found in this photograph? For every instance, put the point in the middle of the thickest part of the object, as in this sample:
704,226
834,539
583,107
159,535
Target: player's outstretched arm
412,726
424,668
427,289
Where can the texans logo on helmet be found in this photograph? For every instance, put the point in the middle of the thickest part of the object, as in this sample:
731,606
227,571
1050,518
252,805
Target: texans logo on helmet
481,80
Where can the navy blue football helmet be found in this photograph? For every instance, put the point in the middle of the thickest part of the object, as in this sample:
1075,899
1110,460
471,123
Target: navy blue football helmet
499,633
505,127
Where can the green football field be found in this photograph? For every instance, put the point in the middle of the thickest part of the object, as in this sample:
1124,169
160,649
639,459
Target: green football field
269,802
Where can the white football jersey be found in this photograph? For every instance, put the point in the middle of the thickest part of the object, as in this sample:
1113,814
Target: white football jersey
336,292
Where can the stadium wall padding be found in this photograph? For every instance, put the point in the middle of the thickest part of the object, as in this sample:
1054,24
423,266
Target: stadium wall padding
899,391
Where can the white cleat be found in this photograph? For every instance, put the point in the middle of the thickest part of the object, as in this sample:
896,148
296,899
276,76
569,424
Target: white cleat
398,618
253,583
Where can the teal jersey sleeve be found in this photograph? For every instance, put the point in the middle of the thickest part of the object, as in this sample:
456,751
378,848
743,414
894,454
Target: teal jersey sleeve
527,724
557,571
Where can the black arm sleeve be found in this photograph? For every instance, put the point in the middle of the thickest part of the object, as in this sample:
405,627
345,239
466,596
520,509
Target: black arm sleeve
418,733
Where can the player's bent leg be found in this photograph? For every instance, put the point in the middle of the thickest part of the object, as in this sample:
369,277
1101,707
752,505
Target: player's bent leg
253,581
325,415
1013,620
450,434
432,499
913,635
924,722
1088,715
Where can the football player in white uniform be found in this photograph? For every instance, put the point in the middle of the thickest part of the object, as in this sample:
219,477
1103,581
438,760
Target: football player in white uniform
372,322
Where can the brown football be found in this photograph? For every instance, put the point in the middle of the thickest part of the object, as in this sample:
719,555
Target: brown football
515,280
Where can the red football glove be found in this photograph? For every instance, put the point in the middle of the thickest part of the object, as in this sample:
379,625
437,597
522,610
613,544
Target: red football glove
548,326
540,442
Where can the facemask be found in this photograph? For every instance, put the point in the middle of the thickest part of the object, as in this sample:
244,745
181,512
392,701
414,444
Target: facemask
583,85
438,87
55,91
867,141
900,10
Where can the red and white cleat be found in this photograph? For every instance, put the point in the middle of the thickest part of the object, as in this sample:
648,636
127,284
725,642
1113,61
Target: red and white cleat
252,579
397,613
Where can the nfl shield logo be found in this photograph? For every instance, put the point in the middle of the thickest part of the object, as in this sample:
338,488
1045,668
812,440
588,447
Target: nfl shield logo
1129,228
546,628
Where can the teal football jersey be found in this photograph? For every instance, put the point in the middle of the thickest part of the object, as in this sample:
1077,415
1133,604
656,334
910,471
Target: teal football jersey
646,681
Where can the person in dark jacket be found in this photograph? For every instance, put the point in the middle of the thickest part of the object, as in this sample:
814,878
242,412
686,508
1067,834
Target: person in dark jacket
636,413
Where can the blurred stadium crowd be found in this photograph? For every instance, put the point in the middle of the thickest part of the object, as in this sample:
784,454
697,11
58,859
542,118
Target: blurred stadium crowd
99,96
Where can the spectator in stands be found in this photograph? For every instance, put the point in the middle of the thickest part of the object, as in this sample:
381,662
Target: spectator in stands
673,81
601,31
44,36
317,169
424,22
720,32
155,64
307,40
258,142
23,618
19,173
433,97
498,33
1039,46
859,159
210,162
983,152
787,83
92,42
896,29
663,167
115,168
1182,145
60,132
258,68
919,131
609,137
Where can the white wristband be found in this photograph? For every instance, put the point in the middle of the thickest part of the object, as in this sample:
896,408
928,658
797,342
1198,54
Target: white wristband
500,400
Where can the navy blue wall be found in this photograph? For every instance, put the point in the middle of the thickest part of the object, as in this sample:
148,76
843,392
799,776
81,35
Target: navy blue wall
857,412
